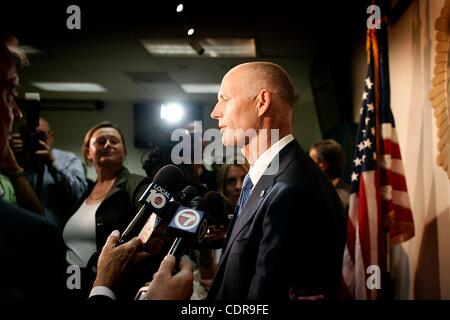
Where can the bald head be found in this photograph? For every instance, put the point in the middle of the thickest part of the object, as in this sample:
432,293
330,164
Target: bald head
266,75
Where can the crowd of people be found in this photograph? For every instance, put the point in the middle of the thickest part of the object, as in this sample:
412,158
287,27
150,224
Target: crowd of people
283,239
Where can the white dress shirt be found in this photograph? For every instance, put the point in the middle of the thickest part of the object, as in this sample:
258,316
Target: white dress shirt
261,164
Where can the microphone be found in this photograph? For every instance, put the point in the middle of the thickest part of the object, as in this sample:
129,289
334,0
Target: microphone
187,194
156,198
216,207
217,220
154,234
189,225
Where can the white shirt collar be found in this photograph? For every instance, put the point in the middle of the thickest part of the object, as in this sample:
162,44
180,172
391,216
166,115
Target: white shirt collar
261,164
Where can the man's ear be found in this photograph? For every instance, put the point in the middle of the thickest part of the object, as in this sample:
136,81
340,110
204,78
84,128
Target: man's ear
263,102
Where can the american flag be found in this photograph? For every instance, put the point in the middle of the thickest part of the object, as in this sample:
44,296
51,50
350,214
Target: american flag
379,210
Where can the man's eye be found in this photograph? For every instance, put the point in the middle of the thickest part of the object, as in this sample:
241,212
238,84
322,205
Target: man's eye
231,181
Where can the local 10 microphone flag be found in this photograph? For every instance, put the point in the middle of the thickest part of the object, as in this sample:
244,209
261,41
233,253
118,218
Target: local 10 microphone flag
379,210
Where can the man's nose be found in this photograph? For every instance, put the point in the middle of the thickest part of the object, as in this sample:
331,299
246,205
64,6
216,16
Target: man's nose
215,114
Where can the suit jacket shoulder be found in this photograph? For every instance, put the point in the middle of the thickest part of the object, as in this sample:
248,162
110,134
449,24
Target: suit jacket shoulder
32,256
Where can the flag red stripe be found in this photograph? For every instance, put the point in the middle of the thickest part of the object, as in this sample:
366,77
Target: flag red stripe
402,213
392,148
363,223
394,179
351,239
380,244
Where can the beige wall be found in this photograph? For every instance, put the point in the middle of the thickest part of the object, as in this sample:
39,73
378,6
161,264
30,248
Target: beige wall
71,126
422,264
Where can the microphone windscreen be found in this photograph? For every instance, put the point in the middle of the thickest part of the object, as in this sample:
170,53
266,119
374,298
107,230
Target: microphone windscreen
169,177
216,208
187,194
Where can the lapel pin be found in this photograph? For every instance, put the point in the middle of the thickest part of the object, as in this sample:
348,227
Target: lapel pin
262,193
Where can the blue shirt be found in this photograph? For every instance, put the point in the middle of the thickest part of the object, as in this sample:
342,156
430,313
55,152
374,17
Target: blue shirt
64,183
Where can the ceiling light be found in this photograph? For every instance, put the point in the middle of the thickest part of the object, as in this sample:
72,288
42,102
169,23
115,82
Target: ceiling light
190,32
180,8
233,47
229,47
172,112
69,86
209,88
197,46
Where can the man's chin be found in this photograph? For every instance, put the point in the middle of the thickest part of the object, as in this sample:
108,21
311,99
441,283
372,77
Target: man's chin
231,141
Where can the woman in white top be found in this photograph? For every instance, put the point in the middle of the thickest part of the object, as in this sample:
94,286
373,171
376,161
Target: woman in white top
110,204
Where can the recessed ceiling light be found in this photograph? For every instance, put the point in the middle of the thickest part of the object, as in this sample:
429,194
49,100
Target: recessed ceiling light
190,32
69,86
211,88
232,47
180,8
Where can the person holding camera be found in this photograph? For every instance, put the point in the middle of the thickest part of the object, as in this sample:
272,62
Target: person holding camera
56,176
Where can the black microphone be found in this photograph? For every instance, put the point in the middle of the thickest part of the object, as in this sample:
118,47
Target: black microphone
217,210
217,220
189,225
186,195
156,198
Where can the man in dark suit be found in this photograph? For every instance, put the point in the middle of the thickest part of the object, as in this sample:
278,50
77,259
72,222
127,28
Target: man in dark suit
31,251
288,234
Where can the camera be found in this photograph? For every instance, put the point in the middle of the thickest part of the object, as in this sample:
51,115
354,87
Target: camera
31,108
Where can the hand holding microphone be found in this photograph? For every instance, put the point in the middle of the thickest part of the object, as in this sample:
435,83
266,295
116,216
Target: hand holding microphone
156,199
191,224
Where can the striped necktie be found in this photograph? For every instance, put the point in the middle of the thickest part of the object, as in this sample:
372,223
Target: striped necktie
247,186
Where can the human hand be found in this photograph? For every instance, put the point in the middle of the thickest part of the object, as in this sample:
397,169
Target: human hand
114,259
215,233
206,283
164,286
45,154
16,142
9,164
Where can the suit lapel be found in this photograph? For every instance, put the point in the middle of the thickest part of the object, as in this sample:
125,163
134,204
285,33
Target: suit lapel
249,210
245,216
